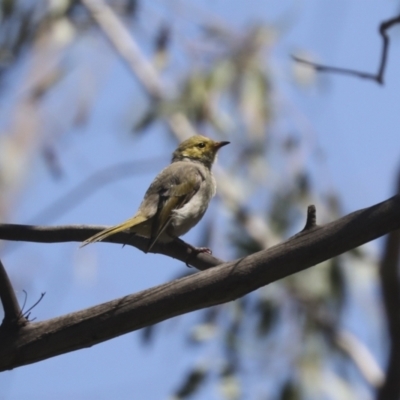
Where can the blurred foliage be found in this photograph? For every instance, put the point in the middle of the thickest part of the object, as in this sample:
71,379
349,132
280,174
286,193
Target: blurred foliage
283,334
191,384
237,78
289,392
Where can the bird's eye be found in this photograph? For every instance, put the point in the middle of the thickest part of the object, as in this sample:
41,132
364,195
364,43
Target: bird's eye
201,145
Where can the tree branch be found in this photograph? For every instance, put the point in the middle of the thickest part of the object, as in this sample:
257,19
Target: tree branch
389,276
13,317
226,282
78,233
378,76
311,221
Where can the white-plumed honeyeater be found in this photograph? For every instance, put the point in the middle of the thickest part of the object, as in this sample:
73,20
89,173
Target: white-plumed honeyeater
177,198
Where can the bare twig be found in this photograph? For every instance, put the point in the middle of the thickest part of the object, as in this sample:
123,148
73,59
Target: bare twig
311,218
389,275
28,311
25,299
12,312
378,76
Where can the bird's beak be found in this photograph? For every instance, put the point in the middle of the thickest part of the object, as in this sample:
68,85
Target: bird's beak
218,145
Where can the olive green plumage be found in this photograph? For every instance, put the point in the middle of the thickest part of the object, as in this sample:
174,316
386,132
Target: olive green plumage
177,198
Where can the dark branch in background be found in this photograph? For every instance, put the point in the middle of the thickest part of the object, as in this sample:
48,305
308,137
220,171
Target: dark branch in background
12,312
378,76
226,282
389,276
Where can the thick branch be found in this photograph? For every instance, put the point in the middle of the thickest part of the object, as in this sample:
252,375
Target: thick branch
226,282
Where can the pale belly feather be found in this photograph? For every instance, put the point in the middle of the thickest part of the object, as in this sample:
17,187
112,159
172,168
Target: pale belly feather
191,213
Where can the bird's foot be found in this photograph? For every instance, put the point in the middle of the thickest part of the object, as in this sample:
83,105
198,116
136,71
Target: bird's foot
198,250
193,251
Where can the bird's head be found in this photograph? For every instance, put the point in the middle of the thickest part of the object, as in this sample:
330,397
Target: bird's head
198,148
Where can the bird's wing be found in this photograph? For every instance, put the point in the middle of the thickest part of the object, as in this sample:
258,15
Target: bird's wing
175,186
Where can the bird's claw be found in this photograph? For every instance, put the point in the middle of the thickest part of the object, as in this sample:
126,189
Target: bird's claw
195,251
198,250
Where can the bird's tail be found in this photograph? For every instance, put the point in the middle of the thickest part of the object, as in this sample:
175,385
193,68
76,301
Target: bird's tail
124,226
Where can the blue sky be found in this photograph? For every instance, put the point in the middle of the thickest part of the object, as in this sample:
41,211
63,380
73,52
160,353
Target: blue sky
355,124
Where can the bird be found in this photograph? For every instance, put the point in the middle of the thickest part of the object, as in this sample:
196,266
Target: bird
177,198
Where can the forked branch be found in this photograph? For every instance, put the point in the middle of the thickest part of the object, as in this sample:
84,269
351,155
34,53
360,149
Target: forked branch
226,282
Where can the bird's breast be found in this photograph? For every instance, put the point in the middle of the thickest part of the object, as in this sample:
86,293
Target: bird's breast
190,214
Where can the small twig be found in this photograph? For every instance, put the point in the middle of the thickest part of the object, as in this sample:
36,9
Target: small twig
311,218
25,299
12,311
27,312
337,70
378,76
385,45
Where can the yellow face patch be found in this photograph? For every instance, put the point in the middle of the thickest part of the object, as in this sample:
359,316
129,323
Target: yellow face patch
198,148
